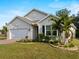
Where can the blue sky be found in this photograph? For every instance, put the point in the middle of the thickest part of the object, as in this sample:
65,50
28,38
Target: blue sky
11,8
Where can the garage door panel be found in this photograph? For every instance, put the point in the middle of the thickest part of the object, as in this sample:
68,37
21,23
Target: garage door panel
19,34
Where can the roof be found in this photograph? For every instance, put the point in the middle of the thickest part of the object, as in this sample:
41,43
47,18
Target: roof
22,19
25,19
29,21
55,17
37,11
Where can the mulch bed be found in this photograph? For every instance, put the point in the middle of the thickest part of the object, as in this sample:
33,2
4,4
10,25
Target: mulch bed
75,48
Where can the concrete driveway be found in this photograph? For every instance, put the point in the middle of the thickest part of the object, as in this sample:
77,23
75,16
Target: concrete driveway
7,41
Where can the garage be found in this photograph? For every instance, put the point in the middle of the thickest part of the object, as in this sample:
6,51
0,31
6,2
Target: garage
18,33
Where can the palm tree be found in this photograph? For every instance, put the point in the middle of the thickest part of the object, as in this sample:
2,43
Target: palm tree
68,21
57,25
63,24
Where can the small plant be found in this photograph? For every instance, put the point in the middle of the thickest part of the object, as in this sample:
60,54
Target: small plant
69,45
51,41
54,40
40,37
47,38
65,46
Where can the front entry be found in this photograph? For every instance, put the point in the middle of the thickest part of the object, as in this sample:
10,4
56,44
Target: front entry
35,32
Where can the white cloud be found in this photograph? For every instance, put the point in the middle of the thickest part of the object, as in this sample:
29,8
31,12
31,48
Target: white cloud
9,15
73,6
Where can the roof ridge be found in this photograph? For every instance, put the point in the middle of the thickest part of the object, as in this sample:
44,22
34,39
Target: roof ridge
34,9
40,11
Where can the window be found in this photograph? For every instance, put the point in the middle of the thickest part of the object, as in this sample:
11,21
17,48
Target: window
43,29
48,30
54,32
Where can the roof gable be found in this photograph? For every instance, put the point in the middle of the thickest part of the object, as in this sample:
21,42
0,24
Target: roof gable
18,23
35,14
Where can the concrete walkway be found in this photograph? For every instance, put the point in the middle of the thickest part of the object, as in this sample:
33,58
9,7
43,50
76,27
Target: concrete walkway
7,41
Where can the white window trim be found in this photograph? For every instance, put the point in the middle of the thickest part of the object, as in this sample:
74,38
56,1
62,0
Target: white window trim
51,30
45,30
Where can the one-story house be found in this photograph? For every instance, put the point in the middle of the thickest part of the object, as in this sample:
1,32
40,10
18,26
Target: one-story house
32,24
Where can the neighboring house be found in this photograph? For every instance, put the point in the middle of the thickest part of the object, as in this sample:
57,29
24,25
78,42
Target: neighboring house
32,24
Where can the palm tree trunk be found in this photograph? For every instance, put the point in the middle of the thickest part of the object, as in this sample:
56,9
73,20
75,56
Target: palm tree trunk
66,39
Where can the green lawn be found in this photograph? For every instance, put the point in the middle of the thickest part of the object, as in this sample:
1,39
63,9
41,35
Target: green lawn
35,51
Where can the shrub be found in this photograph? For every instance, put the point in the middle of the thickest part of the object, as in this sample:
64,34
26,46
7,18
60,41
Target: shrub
54,42
75,42
69,45
47,38
40,37
65,46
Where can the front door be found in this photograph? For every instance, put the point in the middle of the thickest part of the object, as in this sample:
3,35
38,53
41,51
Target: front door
35,32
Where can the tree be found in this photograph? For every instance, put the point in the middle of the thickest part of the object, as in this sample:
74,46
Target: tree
4,30
57,25
63,24
76,22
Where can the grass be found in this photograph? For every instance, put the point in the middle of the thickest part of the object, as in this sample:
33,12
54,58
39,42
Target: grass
35,51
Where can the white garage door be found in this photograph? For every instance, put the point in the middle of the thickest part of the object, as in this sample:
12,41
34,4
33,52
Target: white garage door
18,33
